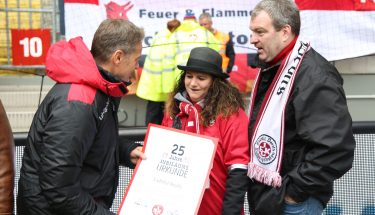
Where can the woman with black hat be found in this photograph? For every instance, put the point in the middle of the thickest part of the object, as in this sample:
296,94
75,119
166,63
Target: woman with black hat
204,102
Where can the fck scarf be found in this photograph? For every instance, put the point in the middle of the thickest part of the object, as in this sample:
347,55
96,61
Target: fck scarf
267,141
192,111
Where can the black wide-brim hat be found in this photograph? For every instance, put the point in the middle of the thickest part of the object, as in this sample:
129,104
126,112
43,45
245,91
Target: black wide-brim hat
204,59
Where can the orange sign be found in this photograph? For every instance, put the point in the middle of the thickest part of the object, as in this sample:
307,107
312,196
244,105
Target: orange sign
30,46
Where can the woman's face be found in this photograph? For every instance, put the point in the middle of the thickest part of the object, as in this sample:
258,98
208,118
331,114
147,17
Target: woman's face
197,85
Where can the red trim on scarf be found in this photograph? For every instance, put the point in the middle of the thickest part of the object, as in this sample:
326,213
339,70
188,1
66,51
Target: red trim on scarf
263,173
267,95
282,56
284,52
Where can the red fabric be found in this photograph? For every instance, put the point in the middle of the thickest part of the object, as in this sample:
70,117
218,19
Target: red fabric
325,5
116,11
360,5
83,1
83,93
244,76
368,5
71,62
232,148
192,113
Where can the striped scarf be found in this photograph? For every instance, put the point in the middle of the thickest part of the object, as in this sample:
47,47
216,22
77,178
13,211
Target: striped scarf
267,142
193,113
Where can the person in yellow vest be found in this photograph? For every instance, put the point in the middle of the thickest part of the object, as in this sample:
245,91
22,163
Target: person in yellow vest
226,44
187,36
150,82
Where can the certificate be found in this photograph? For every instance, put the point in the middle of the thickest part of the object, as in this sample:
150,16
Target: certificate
172,180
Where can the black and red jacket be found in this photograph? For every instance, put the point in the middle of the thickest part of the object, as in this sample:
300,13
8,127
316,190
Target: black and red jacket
71,160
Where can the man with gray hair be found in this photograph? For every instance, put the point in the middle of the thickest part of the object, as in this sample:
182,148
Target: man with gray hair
300,130
71,160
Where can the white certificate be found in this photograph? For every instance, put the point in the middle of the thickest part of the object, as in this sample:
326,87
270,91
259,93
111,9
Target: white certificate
172,180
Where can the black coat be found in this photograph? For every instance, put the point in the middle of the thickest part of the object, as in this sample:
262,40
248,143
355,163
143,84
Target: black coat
71,160
319,143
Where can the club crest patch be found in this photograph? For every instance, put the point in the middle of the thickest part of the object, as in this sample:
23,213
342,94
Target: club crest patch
265,149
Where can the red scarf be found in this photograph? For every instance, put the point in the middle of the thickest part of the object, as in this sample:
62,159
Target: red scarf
193,113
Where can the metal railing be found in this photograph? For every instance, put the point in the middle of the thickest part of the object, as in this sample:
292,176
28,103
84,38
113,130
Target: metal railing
358,200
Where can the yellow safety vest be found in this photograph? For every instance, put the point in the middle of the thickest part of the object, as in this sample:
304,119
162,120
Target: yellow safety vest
186,37
150,82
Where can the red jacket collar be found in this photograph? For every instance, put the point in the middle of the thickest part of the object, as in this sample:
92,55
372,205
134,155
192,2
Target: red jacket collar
71,62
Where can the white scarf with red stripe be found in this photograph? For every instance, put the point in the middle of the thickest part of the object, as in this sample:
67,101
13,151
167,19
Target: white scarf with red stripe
267,142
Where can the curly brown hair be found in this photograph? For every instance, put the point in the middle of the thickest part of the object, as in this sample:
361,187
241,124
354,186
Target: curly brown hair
222,99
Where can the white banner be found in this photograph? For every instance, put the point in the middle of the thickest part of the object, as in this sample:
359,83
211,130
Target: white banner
83,19
337,29
335,33
340,34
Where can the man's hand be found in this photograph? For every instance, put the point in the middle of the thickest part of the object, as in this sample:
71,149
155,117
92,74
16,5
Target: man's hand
136,154
289,200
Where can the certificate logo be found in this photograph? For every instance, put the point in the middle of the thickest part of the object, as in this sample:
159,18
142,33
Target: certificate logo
157,210
265,149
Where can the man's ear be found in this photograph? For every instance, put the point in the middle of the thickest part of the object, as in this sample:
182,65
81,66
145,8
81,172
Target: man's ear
117,56
286,32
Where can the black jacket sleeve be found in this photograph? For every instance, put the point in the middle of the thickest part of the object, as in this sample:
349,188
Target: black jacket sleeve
236,187
325,125
69,134
229,52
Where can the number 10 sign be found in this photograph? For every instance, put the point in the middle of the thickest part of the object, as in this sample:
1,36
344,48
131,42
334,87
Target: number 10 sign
30,46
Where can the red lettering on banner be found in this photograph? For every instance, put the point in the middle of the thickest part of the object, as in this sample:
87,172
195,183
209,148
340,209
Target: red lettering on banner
29,47
83,1
363,5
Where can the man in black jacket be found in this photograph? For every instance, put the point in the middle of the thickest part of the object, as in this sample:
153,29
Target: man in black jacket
72,156
300,130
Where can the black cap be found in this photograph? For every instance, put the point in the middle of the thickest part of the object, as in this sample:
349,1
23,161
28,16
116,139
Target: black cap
204,59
